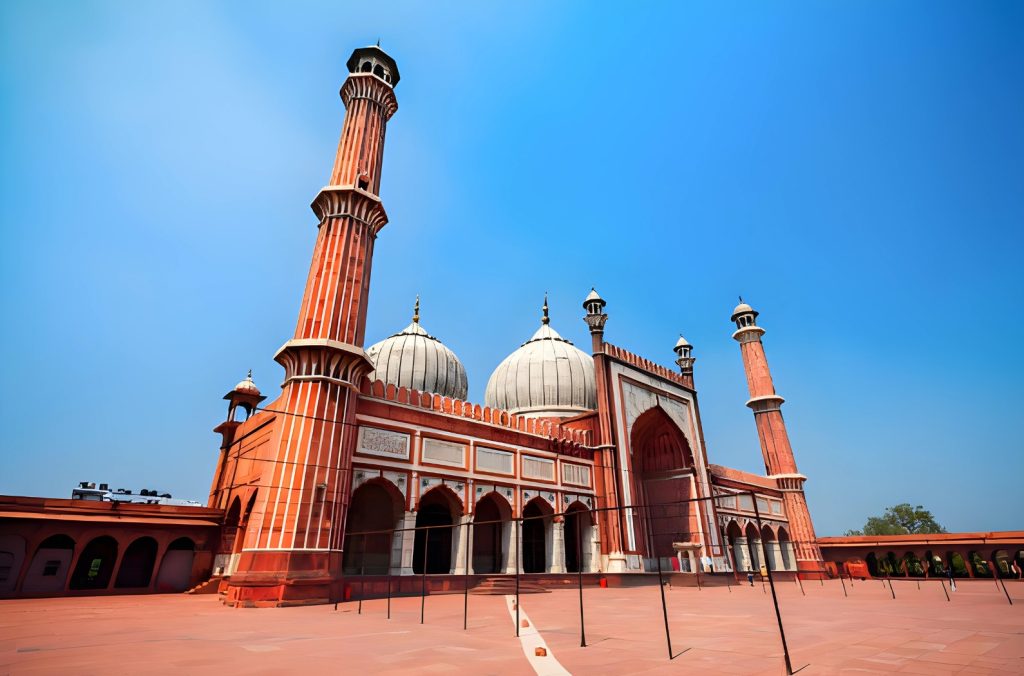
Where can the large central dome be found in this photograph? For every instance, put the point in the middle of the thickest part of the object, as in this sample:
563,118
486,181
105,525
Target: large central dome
546,377
415,359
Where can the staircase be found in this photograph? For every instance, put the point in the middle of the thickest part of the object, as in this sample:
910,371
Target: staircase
207,587
506,584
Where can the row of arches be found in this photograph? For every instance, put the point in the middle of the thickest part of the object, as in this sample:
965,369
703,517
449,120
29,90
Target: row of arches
437,539
752,547
59,564
933,563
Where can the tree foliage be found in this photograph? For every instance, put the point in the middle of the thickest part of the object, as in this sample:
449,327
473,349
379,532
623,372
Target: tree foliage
902,519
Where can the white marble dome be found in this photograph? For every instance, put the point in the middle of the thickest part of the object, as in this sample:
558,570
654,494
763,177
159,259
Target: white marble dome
546,377
415,359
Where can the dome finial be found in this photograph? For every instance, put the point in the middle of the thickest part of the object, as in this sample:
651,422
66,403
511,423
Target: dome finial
416,311
545,319
250,375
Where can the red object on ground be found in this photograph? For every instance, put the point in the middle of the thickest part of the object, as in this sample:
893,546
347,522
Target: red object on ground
604,583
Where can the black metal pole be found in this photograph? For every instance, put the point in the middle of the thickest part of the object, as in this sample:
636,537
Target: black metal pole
943,583
465,590
891,590
661,581
800,584
423,576
519,555
391,554
362,575
775,600
1006,592
845,595
579,568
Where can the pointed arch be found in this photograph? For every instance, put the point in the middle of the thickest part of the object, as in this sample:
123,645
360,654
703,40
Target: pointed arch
536,535
436,514
492,521
658,445
374,510
444,492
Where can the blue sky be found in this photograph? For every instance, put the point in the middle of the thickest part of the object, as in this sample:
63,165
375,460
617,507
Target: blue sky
853,169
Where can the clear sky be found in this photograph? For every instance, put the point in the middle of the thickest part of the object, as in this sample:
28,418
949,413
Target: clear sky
854,169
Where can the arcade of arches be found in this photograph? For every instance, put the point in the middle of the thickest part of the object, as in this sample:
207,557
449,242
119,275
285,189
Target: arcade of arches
438,539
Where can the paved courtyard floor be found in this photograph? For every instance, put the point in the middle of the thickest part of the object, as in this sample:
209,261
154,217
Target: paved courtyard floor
715,630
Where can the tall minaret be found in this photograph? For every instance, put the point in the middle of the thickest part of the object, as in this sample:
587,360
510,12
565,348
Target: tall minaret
292,551
771,431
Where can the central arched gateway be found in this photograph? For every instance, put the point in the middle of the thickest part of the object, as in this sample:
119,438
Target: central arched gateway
662,465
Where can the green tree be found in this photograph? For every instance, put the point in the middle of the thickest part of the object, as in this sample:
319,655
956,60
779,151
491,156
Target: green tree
902,519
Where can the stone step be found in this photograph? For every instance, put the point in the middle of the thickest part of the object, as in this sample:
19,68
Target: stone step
502,585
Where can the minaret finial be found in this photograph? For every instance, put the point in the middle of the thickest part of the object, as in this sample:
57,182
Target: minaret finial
741,300
416,311
250,374
545,319
378,42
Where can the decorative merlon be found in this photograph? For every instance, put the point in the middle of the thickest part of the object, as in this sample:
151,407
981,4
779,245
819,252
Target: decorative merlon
567,440
644,364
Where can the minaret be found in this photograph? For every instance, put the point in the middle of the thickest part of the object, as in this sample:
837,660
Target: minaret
771,431
685,359
292,551
607,472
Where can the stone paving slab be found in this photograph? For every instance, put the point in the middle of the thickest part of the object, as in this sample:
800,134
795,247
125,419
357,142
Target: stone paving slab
715,630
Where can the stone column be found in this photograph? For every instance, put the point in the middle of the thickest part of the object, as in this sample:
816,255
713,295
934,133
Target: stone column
405,544
461,540
790,558
556,564
742,555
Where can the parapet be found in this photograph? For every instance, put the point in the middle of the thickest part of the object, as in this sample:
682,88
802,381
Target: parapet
569,440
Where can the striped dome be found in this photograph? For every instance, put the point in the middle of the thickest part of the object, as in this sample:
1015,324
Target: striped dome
415,359
546,377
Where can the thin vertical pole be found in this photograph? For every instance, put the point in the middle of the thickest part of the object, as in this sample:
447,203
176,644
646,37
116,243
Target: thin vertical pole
362,575
800,584
775,600
391,553
661,581
1005,592
465,590
845,595
943,583
891,590
579,568
423,576
519,554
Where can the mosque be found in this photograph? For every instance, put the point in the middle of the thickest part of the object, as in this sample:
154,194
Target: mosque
370,461
363,443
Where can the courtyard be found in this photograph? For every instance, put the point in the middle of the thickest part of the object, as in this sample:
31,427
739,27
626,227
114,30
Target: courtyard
721,630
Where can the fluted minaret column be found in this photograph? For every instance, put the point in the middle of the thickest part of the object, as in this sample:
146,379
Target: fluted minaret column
297,527
779,462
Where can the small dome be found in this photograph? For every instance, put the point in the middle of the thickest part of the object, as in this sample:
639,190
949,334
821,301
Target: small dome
546,376
417,360
742,309
681,343
247,386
